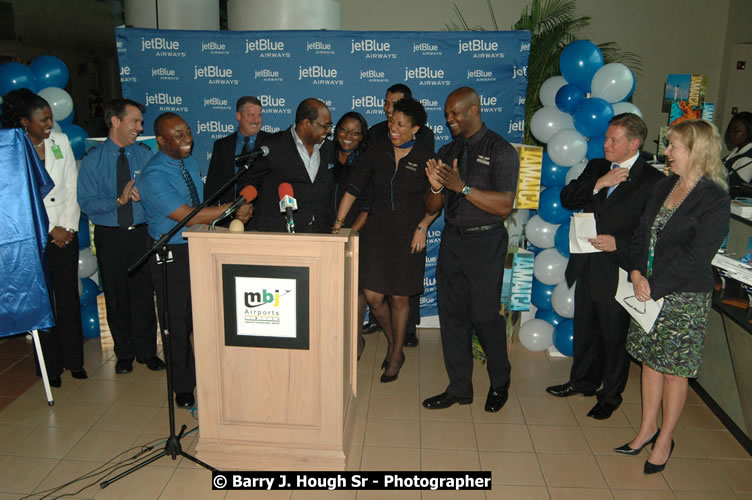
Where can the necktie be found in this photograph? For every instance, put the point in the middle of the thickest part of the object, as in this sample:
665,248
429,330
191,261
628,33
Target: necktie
453,199
611,189
124,212
246,146
189,183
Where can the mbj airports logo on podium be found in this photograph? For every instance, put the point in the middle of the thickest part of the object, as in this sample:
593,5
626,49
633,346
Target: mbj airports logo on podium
266,306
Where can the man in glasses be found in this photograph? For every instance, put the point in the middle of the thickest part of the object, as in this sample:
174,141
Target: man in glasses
304,157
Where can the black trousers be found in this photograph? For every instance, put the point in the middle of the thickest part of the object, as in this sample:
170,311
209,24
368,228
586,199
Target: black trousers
600,336
469,277
129,298
181,318
63,345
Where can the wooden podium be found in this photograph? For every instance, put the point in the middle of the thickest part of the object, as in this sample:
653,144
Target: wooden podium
277,379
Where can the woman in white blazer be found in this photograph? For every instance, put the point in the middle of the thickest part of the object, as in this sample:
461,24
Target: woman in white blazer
62,345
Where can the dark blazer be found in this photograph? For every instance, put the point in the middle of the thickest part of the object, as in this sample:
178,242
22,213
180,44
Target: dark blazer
222,166
315,213
687,243
616,215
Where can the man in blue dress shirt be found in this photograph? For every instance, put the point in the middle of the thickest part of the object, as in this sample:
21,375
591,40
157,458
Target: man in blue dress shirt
108,196
170,188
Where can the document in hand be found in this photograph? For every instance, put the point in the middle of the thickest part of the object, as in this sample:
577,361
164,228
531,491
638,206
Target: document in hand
581,229
645,313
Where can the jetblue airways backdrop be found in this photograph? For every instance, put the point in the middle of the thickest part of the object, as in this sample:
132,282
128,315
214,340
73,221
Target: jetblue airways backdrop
200,75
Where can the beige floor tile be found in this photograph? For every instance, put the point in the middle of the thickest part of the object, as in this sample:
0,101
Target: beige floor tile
449,460
398,406
354,456
153,444
76,414
579,494
160,423
688,443
633,412
699,417
510,414
519,469
626,473
389,495
632,392
447,435
386,458
11,435
704,495
406,383
126,417
359,430
503,437
571,471
362,405
738,474
23,474
147,482
67,471
259,495
694,475
49,442
456,412
558,439
190,483
602,440
389,432
147,394
101,391
715,444
454,495
642,495
102,446
26,411
547,412
499,492
324,495
581,407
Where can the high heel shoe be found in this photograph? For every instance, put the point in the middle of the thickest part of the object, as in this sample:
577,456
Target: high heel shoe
651,468
384,364
627,450
391,378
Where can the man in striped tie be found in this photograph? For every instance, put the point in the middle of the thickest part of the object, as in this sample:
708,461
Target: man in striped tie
170,187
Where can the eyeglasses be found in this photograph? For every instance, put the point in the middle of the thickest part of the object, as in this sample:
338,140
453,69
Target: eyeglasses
353,133
325,126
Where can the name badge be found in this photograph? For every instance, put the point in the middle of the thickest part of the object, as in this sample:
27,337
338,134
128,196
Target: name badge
330,166
56,151
485,160
411,166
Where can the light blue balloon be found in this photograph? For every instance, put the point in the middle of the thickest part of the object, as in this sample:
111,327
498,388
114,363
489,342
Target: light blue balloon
552,175
592,116
595,147
89,291
561,239
50,72
564,337
634,85
550,208
541,294
569,97
578,63
14,76
77,137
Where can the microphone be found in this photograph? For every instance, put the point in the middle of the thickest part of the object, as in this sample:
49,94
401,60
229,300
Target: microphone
287,204
247,195
245,158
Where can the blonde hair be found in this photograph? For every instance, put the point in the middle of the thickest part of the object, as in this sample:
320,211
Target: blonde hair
704,144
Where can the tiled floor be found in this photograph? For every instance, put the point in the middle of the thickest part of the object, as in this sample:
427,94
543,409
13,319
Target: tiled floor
537,447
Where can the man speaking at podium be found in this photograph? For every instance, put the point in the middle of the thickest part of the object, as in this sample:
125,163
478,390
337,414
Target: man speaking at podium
303,157
170,188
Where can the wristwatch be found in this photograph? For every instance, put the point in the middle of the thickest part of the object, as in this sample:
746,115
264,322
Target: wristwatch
466,190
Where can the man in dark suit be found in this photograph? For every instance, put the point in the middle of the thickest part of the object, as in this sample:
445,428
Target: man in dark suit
615,190
303,157
248,112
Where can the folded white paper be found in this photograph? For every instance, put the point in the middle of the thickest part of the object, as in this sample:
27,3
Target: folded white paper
645,313
581,229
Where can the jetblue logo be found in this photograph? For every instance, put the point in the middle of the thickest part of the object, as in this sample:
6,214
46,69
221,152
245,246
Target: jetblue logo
319,47
216,103
214,127
215,75
125,75
274,105
319,75
164,74
372,75
373,49
267,48
426,75
374,104
267,75
430,104
165,101
525,47
270,129
162,47
426,49
480,75
214,48
490,104
519,71
480,49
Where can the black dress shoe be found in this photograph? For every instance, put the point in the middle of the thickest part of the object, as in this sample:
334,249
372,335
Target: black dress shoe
55,381
601,411
371,327
391,378
497,398
444,400
411,339
185,399
566,390
124,366
154,364
651,468
626,450
79,374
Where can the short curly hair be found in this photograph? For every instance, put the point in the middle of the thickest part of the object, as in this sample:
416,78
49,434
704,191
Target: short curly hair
20,103
412,109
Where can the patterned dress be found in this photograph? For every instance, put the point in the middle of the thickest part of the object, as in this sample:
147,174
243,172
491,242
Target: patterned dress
675,343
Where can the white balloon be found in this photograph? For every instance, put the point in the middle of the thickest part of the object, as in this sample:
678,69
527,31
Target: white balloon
547,121
612,82
540,233
537,335
549,88
87,263
549,267
575,171
56,127
59,100
563,300
567,147
626,107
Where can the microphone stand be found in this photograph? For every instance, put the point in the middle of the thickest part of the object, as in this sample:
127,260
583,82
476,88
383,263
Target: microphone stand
172,444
